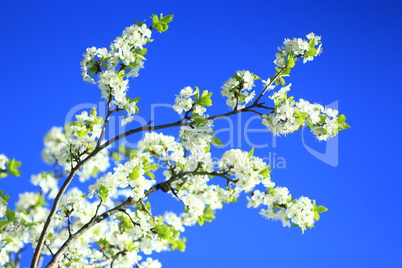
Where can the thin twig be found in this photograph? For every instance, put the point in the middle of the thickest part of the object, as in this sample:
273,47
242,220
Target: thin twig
131,219
145,208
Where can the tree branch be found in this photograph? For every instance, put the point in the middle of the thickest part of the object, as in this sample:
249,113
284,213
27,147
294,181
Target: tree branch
269,84
98,148
121,208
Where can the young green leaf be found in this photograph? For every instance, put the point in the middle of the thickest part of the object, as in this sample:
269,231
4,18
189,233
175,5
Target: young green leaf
216,141
205,99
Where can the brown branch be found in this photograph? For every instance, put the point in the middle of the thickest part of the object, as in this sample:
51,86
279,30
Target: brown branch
269,84
121,208
99,147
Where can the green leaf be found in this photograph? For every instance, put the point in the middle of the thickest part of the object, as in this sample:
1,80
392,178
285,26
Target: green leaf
209,214
142,52
343,126
49,236
163,231
207,148
103,192
320,209
316,216
82,132
155,19
290,62
136,100
167,19
8,240
216,141
41,202
205,99
93,70
265,172
122,148
199,120
312,52
317,210
121,75
200,220
341,122
135,174
286,71
150,174
10,215
5,197
161,24
12,166
312,43
250,154
197,93
256,77
179,245
93,112
3,224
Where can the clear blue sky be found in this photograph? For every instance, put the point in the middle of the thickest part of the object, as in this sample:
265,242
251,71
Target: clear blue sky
41,46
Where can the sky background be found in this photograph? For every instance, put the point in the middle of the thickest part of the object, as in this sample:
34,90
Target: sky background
42,43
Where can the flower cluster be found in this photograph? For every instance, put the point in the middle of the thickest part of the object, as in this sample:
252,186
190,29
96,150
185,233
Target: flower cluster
237,89
131,174
290,116
190,100
280,206
75,143
297,47
47,182
16,226
162,146
196,139
82,136
127,52
248,170
184,102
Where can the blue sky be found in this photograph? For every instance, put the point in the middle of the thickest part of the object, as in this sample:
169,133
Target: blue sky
42,45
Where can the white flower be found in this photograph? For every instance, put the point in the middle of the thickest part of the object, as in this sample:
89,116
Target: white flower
3,207
301,212
237,89
3,256
173,220
54,141
3,161
245,169
47,183
256,199
150,263
184,100
27,200
98,163
74,199
182,104
278,96
187,92
313,36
